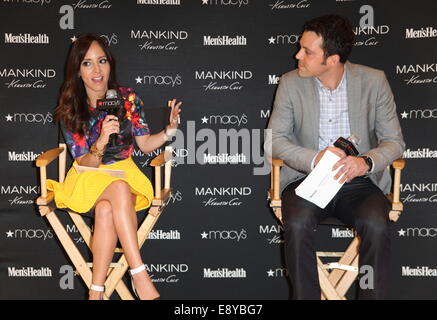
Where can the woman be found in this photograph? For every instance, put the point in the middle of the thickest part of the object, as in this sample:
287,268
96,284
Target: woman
90,72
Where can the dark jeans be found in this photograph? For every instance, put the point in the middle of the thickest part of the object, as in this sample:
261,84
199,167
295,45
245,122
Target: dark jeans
359,204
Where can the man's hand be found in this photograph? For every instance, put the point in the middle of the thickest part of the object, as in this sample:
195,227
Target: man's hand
334,150
351,167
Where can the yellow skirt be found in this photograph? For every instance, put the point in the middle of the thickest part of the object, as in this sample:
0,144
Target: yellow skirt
80,191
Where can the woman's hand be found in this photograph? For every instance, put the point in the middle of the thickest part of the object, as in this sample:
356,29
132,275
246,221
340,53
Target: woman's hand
148,143
174,117
110,125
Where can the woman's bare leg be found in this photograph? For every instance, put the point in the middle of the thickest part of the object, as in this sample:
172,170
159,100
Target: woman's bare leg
125,222
103,244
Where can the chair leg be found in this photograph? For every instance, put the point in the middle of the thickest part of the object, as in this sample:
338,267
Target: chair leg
348,278
70,248
328,290
85,232
113,280
149,223
116,283
347,258
123,291
82,227
340,280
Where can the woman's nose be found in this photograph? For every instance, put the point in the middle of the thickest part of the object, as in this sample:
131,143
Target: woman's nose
96,68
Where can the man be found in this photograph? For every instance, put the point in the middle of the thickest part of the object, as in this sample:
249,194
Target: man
325,98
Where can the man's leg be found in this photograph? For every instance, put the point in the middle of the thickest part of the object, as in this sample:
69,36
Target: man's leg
362,205
300,219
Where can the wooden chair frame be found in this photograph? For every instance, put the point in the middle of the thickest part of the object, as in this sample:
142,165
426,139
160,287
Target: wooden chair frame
335,284
118,269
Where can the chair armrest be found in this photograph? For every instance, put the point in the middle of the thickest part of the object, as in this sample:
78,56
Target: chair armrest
162,158
48,156
274,191
277,162
41,162
398,165
43,201
275,180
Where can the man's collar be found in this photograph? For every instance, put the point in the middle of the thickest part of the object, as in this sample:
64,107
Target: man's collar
343,77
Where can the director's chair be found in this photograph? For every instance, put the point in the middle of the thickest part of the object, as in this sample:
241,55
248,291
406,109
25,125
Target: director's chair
161,198
335,284
118,269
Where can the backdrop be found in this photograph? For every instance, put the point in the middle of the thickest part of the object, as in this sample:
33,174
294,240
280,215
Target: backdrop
217,238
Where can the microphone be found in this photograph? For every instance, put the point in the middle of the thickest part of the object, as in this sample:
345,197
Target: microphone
348,145
111,105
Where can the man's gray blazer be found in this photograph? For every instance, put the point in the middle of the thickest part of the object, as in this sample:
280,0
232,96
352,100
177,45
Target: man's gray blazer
372,115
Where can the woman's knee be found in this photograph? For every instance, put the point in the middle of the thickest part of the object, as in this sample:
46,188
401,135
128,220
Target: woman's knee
103,212
119,194
120,187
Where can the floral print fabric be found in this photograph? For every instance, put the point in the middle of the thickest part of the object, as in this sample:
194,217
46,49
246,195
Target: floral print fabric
133,124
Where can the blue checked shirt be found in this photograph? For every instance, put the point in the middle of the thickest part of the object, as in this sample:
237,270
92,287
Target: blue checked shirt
334,117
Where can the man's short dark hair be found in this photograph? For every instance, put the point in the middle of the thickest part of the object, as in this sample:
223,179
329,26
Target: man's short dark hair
336,32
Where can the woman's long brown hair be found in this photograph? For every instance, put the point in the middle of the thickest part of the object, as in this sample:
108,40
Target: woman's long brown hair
72,109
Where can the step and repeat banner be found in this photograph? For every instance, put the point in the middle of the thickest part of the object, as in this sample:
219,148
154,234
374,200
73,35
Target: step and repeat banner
217,239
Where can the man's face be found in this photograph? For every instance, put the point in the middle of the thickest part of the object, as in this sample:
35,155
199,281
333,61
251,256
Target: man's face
311,58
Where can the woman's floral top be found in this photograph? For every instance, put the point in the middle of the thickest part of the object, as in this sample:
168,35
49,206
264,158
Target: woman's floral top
133,124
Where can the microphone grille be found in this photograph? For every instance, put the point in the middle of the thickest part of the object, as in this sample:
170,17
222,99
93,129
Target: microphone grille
355,139
111,94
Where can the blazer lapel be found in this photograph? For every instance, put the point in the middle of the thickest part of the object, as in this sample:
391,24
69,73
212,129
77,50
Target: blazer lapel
313,106
353,98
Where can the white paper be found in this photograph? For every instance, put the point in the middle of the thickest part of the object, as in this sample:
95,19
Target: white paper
319,187
112,172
